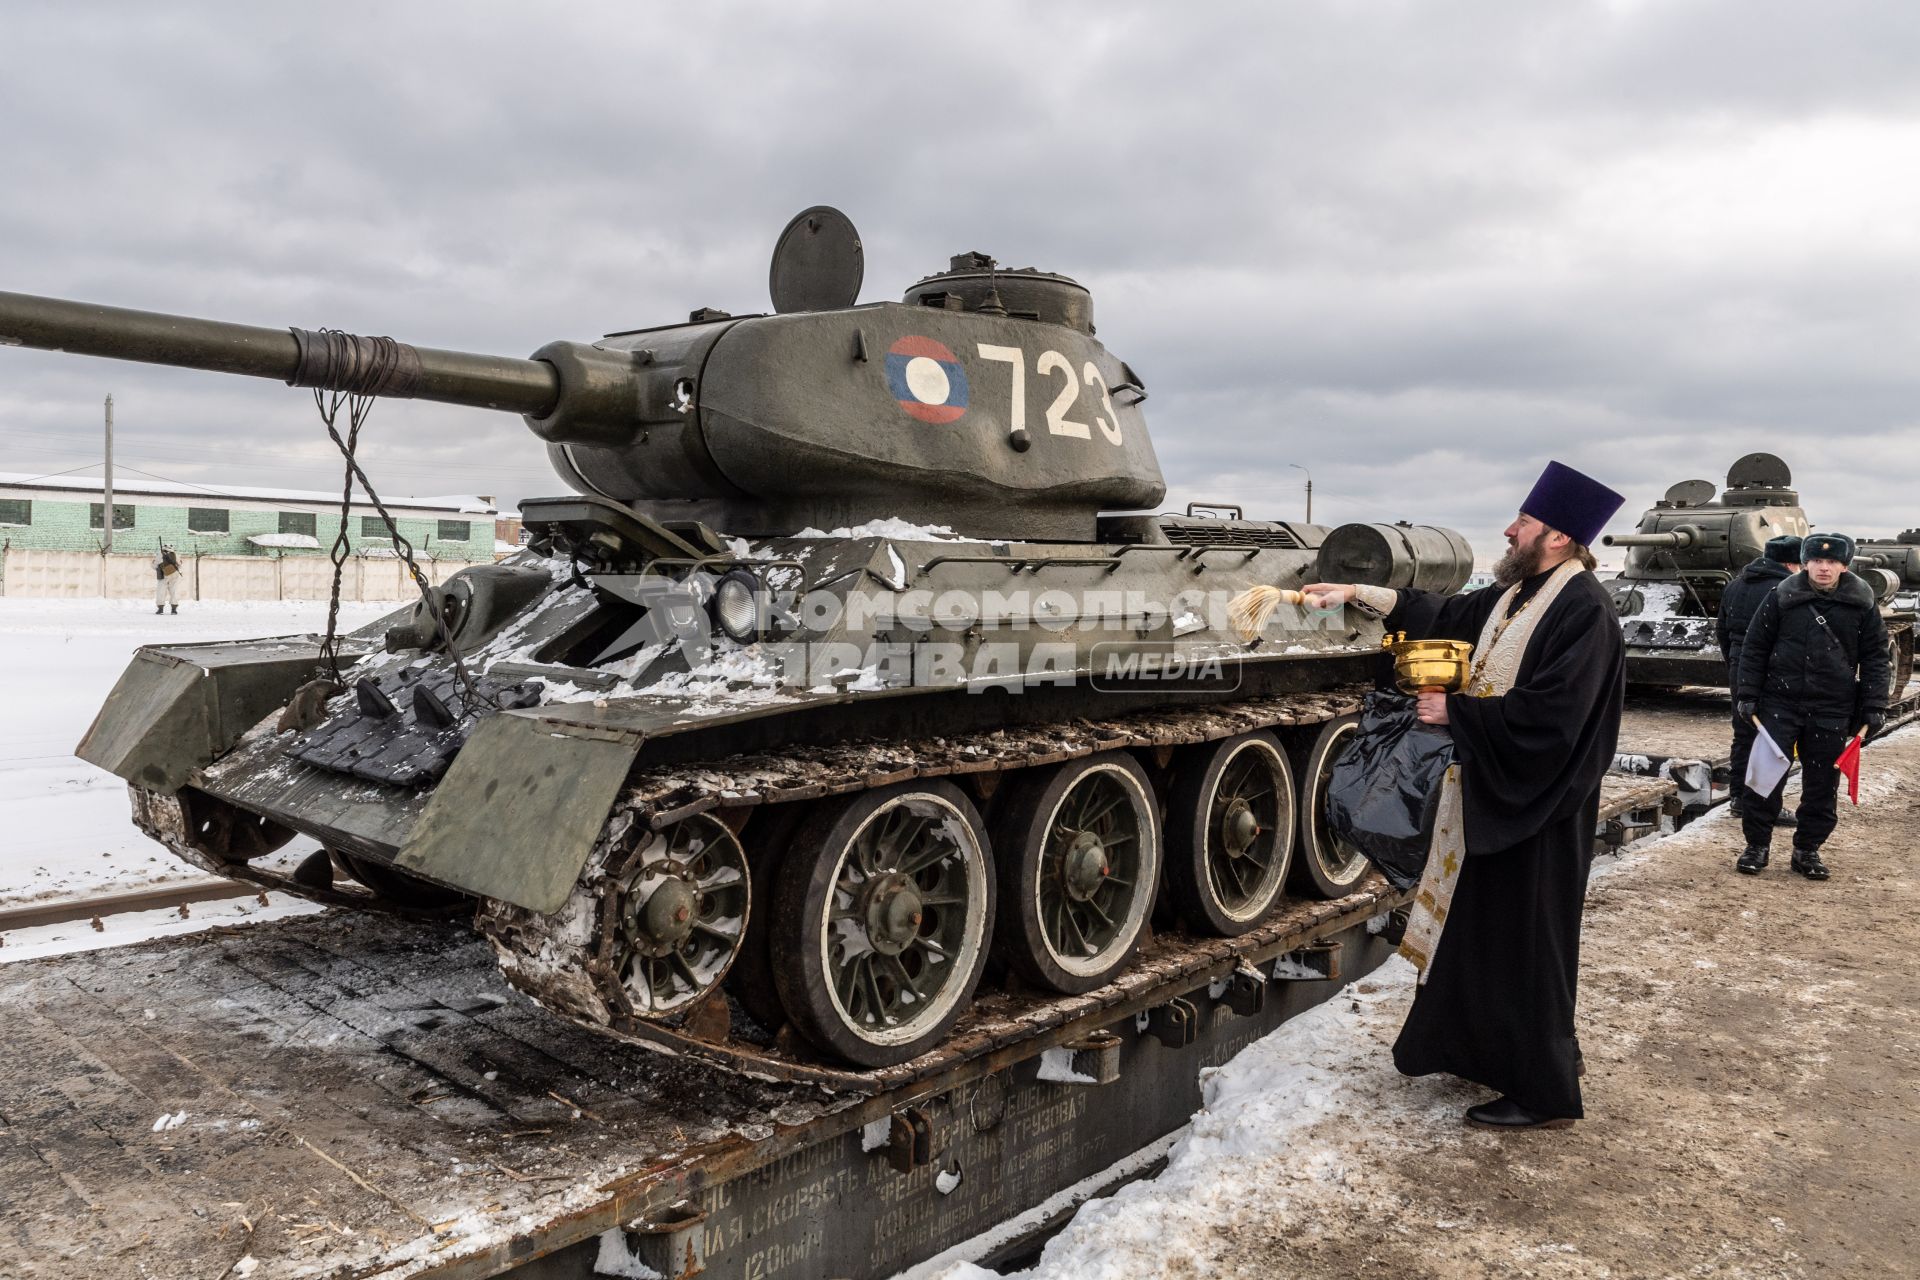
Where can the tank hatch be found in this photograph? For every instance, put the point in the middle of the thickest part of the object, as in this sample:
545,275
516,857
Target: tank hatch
974,282
1760,480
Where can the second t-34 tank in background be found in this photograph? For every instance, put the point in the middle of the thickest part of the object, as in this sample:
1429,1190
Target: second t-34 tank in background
1892,567
1688,547
857,661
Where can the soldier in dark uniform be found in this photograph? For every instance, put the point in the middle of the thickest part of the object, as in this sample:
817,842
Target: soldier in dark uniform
1814,667
1738,604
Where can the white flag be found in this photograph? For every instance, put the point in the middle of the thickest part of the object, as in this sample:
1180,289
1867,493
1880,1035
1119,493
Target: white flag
1767,764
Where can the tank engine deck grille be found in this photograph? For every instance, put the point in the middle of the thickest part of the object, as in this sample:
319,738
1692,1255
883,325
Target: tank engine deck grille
1226,535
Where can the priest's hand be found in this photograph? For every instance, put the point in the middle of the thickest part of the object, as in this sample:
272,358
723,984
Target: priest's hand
1328,595
1430,707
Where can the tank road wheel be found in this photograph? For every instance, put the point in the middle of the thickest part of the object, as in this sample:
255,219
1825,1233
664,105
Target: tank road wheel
882,909
673,921
1899,660
1329,866
395,885
1230,827
1079,861
767,836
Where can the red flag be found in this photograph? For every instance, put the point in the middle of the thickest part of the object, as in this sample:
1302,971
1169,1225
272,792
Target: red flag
1849,765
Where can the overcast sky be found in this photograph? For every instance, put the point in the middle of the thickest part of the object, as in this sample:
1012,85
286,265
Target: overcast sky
1417,248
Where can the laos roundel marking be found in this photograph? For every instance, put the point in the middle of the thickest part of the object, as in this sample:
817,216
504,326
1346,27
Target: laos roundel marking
927,379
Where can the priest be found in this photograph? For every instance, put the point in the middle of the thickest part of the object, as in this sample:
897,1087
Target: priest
1497,931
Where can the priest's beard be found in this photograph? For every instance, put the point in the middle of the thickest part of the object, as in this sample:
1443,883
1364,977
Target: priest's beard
1521,562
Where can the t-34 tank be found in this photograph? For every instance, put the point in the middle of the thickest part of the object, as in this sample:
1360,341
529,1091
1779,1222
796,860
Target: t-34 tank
1892,567
855,668
1689,547
1686,550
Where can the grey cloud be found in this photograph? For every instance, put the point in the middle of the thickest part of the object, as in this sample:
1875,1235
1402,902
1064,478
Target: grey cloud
1357,237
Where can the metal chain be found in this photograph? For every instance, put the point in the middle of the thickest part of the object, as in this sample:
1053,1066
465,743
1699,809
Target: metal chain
329,404
342,545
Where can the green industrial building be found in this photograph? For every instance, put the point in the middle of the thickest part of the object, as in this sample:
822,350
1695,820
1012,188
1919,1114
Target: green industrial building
68,513
233,542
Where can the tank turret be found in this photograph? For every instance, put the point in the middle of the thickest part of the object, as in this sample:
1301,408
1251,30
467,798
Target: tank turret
1694,537
982,402
1899,555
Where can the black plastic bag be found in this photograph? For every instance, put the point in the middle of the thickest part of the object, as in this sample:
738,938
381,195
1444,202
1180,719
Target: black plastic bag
1385,787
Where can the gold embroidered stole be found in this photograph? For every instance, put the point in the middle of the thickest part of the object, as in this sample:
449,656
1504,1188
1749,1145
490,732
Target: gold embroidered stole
1496,663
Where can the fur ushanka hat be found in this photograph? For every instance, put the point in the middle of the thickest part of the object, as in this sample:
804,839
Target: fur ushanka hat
1826,546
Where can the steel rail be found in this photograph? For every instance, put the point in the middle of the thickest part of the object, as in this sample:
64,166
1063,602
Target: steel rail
34,915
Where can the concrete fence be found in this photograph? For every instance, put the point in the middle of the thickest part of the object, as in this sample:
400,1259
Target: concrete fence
33,571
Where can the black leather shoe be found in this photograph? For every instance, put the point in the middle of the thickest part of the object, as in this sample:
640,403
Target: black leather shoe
1752,862
1786,819
1505,1113
1807,863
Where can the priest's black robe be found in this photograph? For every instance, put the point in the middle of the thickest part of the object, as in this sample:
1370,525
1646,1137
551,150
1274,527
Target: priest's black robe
1497,1005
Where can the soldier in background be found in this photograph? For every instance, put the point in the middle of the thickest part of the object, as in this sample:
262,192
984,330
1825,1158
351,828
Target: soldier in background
166,579
1738,603
1814,668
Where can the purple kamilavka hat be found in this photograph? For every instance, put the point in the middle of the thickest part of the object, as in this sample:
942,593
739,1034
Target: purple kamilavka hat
1575,504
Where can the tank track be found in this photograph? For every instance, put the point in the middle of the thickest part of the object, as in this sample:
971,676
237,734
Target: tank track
564,961
163,817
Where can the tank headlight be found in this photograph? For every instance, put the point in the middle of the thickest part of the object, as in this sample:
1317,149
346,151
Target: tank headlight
739,606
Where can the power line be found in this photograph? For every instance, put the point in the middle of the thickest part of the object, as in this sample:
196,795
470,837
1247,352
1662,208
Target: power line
277,463
212,493
51,474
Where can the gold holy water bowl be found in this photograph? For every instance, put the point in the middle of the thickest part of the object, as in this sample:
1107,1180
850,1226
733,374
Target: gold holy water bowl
1429,664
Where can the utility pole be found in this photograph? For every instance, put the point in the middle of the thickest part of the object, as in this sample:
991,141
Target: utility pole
107,518
1309,475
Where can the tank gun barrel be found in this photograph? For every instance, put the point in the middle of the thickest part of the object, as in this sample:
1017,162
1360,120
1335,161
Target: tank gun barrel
299,357
1674,539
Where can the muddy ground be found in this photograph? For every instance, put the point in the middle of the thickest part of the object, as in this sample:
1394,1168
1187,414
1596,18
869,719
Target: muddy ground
1752,1097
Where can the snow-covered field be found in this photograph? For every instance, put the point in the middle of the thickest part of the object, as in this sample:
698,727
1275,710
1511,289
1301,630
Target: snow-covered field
68,834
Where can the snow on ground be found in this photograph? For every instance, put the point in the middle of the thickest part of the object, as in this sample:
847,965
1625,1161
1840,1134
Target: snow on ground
68,828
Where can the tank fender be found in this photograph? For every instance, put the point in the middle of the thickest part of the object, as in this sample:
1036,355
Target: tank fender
519,810
176,709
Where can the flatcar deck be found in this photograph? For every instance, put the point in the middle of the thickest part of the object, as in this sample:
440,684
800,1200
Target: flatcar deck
347,1096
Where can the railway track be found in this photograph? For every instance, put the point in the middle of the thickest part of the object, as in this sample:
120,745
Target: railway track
103,906
1684,737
